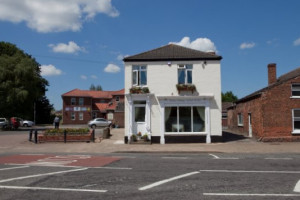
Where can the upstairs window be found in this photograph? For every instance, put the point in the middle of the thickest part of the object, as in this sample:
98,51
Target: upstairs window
185,74
117,98
81,101
296,90
139,75
73,101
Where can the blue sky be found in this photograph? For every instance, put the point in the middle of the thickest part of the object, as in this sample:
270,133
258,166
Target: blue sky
81,42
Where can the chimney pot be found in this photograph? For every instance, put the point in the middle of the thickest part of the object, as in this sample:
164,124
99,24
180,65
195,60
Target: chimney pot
272,73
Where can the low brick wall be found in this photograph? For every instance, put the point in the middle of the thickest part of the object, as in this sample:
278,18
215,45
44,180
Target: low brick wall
70,138
281,139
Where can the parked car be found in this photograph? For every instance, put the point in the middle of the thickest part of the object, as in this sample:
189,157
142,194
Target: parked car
28,123
99,122
3,123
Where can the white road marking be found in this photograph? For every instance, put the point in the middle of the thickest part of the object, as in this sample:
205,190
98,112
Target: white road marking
37,175
213,155
297,187
13,168
174,157
53,189
32,154
217,157
245,171
260,195
50,165
125,168
167,180
278,158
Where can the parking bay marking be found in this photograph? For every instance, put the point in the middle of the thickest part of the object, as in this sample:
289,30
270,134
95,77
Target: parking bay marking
243,194
167,180
38,175
10,168
53,189
245,171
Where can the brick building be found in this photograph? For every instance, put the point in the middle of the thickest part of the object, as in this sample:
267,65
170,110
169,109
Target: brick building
272,113
81,106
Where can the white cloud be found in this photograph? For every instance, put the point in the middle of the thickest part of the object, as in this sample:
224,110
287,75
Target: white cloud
121,56
246,45
201,44
71,47
111,68
50,70
83,77
297,42
54,15
94,77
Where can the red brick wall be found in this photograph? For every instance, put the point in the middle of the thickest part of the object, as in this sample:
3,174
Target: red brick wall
277,110
271,113
253,107
68,109
119,119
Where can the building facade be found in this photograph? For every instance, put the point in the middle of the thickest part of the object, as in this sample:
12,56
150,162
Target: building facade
173,92
81,106
272,113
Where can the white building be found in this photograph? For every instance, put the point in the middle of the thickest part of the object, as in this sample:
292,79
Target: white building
173,92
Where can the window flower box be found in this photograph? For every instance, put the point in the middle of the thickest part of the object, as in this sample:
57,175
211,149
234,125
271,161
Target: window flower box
139,90
186,87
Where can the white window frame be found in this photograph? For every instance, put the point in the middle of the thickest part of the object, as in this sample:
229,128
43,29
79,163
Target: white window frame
297,131
81,101
192,120
137,74
187,68
73,116
294,89
80,116
240,119
73,101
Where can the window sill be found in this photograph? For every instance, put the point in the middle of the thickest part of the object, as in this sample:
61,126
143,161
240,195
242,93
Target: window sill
240,125
295,97
296,132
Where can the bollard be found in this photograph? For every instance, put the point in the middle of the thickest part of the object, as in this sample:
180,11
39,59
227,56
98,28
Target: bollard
35,136
65,136
93,135
30,135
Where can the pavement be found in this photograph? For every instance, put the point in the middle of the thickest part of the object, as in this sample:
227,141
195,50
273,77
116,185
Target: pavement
17,142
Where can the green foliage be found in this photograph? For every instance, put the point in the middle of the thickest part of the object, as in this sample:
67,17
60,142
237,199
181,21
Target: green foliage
70,131
139,90
20,82
95,88
43,111
229,97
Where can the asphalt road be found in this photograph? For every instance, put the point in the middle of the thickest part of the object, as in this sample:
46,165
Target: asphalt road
150,176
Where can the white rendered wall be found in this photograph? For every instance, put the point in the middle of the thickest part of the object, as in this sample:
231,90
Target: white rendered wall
162,80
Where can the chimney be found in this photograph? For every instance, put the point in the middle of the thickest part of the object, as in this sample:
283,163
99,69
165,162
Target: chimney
272,73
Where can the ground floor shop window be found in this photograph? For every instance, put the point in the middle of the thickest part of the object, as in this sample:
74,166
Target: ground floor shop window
185,119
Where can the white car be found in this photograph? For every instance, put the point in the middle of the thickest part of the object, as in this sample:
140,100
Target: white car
28,123
3,122
101,122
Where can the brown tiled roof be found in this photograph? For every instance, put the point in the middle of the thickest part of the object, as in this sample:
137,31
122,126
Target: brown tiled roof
93,94
285,77
172,52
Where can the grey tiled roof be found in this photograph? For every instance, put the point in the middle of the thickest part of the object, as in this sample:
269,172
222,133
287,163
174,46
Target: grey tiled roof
285,77
172,52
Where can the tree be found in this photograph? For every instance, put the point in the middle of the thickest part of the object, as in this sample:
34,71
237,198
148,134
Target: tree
20,82
229,97
43,111
95,88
